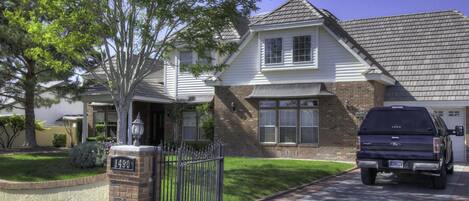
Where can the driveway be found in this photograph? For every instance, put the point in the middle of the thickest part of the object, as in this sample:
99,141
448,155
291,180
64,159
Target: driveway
388,187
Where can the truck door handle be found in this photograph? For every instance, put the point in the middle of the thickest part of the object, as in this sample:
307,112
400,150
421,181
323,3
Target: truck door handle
367,143
395,138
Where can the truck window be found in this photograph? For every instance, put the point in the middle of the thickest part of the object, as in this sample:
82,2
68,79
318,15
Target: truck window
401,121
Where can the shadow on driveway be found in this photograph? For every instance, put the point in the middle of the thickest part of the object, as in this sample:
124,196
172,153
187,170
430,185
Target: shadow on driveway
388,187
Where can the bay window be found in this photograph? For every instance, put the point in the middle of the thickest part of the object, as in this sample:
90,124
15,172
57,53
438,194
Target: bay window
289,121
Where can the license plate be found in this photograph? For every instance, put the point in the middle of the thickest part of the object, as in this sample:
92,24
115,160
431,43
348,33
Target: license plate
396,164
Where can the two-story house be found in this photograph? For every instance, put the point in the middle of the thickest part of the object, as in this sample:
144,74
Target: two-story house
302,80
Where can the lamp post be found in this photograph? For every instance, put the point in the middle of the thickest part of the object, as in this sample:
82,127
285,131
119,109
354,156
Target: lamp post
137,130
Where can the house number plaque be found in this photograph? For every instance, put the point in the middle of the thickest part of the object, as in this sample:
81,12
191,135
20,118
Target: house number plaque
123,163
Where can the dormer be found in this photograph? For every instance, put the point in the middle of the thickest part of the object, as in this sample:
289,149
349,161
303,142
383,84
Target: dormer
289,42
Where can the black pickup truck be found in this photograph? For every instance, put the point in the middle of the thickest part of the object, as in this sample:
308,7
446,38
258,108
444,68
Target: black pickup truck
403,139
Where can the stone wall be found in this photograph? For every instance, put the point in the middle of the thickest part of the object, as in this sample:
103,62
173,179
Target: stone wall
338,122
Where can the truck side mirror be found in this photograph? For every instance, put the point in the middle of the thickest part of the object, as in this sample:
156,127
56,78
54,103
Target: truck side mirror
459,130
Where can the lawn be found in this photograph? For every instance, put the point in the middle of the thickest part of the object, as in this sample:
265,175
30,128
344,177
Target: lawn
41,167
250,179
245,178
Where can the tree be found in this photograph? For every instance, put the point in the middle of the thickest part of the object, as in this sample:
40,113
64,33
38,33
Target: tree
11,127
40,41
137,34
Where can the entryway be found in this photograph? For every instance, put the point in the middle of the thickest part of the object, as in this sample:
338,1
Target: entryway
452,118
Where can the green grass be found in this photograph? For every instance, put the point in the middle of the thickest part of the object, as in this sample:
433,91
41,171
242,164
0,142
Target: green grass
250,178
245,178
41,167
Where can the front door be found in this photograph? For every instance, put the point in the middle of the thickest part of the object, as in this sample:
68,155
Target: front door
157,133
452,118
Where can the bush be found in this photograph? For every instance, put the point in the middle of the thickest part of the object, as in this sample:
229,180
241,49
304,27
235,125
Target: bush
59,140
100,129
88,155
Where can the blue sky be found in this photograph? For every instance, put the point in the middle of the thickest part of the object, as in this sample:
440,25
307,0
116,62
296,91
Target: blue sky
357,9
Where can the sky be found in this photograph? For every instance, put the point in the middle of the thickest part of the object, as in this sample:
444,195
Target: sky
358,9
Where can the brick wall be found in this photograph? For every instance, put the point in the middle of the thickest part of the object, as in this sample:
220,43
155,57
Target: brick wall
337,130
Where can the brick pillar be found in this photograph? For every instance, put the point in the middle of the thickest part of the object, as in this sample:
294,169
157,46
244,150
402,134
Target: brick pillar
130,171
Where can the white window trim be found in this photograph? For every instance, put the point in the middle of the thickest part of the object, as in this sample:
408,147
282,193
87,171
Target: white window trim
308,108
311,50
282,57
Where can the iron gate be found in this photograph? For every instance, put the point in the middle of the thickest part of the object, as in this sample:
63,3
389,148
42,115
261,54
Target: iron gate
188,174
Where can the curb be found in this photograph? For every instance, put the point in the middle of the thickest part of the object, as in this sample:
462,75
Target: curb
13,185
295,188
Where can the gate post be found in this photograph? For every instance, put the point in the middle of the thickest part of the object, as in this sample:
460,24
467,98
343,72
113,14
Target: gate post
130,171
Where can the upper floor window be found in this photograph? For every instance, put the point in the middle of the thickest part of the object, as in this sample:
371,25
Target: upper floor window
301,48
273,50
206,59
185,57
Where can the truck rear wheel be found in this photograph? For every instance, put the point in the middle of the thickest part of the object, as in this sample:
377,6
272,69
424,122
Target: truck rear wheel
439,182
368,175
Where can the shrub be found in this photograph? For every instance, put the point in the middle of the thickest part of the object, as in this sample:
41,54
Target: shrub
59,140
88,155
100,129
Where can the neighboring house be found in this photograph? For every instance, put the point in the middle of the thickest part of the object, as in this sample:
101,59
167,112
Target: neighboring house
52,116
302,80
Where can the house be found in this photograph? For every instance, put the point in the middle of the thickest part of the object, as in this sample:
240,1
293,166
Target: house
52,117
302,80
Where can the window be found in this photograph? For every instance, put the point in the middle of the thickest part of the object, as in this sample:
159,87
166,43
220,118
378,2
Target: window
453,113
273,51
397,121
192,126
439,113
206,59
289,121
301,48
189,125
309,126
185,57
267,124
105,121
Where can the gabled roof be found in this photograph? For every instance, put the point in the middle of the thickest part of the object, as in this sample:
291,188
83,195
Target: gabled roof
291,11
151,87
427,53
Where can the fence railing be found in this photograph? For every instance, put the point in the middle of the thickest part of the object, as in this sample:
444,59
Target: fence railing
191,175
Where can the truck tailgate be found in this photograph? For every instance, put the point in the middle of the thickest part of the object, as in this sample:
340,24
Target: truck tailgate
396,147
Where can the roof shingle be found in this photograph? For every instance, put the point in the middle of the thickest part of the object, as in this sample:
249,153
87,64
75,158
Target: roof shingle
291,11
427,53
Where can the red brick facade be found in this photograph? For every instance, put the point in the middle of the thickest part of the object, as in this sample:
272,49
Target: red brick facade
236,121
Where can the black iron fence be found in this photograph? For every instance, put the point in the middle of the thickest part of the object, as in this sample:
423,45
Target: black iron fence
187,174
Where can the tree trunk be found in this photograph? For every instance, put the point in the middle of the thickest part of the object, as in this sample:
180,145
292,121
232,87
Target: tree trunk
122,113
30,126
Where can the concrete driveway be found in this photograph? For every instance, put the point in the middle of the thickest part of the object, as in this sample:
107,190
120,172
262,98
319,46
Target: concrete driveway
388,187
